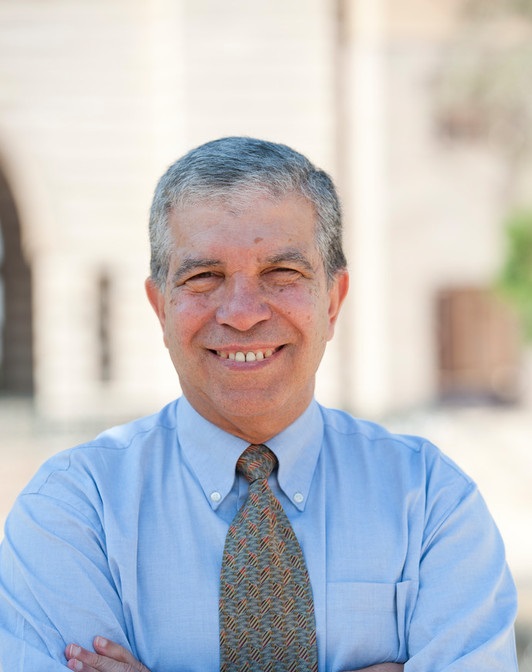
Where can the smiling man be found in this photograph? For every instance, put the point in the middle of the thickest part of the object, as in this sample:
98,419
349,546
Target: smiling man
246,527
247,310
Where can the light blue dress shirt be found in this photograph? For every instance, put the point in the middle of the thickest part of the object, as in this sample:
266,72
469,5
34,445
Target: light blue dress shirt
123,537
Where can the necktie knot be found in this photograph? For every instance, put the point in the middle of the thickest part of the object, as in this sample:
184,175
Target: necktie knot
256,462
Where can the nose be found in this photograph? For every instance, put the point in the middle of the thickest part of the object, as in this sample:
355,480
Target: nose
242,305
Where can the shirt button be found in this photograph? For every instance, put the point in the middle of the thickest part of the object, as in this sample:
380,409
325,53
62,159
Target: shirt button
298,498
215,496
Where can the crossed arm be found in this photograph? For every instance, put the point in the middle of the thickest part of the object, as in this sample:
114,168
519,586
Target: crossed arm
111,657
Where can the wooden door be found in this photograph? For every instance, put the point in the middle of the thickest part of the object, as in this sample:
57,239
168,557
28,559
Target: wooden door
479,347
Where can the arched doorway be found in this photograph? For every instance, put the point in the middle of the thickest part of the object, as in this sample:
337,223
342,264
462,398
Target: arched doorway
16,346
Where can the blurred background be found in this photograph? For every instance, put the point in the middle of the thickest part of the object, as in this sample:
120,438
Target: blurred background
422,112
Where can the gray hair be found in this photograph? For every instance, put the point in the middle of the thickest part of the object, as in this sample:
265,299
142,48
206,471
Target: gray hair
231,168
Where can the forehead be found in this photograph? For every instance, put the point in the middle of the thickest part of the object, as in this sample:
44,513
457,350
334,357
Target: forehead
245,220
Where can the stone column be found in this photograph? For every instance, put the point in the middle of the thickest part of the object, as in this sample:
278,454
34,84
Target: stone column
364,192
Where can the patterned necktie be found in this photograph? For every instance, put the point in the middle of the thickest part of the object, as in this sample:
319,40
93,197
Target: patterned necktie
266,608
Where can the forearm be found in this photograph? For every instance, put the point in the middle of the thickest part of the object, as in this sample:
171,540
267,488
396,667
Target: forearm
55,585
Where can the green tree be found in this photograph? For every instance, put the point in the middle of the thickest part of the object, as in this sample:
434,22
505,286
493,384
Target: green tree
515,280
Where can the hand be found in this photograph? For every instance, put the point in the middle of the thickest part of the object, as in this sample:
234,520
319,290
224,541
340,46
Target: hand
108,657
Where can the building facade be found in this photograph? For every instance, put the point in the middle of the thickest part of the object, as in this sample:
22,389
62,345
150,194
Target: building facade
96,99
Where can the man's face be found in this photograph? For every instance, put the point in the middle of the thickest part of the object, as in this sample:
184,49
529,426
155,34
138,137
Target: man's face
247,311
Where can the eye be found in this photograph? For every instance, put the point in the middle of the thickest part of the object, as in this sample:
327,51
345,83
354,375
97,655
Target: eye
283,274
202,282
201,276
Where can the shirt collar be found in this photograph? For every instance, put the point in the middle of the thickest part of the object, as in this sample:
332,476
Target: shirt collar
213,453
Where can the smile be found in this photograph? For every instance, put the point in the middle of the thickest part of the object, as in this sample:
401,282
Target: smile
247,355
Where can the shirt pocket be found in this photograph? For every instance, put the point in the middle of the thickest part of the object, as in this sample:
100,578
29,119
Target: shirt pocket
367,623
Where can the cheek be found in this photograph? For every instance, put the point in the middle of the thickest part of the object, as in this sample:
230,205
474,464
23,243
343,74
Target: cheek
322,326
185,317
300,300
312,321
308,309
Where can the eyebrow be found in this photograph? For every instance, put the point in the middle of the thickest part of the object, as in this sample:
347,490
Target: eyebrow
291,255
189,264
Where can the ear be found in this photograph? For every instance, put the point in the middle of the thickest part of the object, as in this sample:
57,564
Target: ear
157,301
337,294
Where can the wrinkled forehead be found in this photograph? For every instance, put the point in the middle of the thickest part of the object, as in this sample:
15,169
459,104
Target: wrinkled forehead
243,214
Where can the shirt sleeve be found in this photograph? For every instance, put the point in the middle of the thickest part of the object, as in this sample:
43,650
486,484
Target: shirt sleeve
464,615
56,585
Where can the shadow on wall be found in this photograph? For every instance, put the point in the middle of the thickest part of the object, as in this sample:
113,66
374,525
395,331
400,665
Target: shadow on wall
16,349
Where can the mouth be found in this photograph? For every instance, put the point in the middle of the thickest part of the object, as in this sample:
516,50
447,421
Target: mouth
246,355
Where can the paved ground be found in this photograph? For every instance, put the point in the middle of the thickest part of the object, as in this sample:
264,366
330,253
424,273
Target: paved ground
494,445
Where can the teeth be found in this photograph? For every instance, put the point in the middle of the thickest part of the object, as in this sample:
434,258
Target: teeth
250,356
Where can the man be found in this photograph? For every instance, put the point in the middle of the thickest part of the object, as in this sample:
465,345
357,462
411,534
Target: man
123,538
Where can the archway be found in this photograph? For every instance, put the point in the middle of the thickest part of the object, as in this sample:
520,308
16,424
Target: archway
16,342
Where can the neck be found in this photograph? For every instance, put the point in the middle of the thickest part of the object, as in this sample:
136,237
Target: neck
255,428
